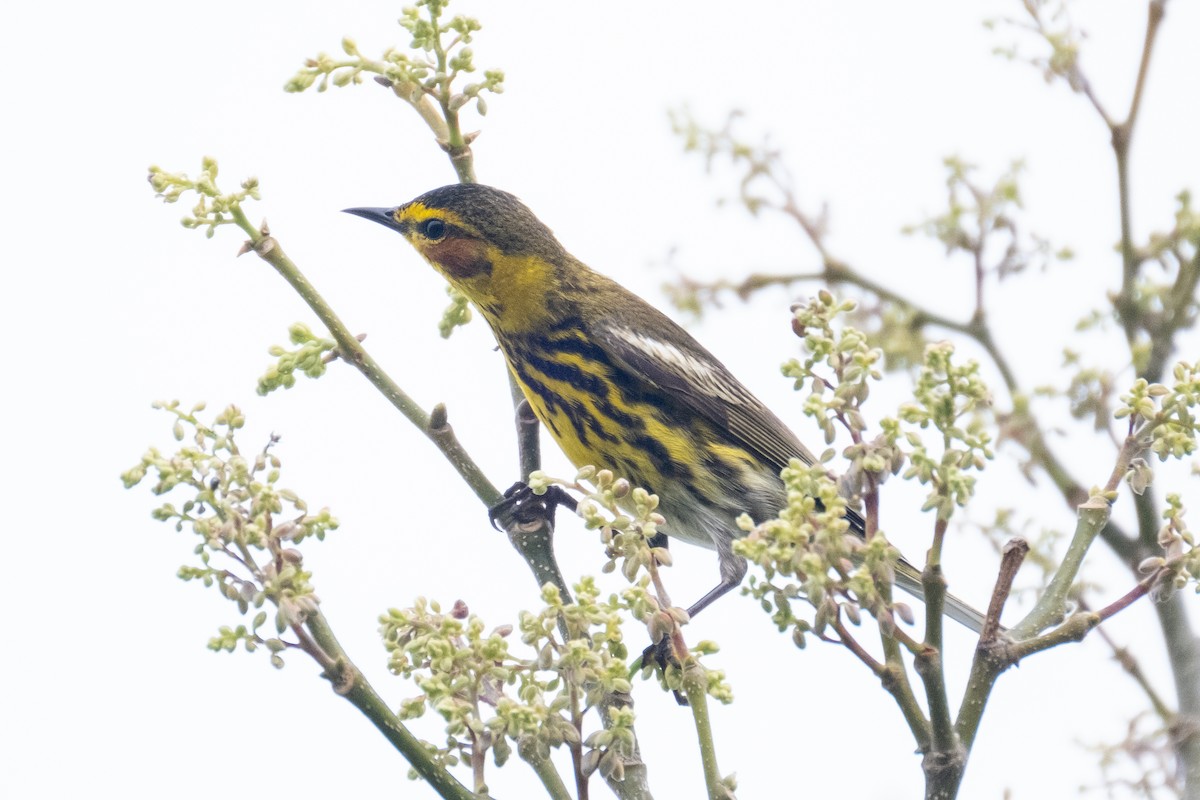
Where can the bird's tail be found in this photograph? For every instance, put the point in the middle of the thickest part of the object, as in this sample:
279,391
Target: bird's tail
908,578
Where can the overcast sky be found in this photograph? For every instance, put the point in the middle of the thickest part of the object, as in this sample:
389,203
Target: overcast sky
111,305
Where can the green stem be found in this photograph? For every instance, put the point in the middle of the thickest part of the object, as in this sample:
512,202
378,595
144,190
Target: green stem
349,683
535,756
994,655
930,668
1081,623
892,672
455,144
929,664
576,747
1148,519
635,785
1125,301
893,676
985,669
945,749
1051,606
695,687
1093,517
431,114
352,352
535,546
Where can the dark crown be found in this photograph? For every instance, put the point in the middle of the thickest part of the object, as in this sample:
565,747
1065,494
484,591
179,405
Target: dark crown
502,219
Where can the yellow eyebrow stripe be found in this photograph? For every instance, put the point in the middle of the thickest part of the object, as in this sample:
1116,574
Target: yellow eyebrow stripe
419,212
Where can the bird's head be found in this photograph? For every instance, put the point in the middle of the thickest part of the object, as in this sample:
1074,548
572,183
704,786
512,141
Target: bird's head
486,243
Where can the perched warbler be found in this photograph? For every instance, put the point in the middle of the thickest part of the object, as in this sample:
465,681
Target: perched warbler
618,384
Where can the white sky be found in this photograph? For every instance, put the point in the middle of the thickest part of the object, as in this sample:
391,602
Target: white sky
112,305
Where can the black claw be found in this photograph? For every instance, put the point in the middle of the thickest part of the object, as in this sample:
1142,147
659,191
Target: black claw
521,506
660,655
513,496
657,653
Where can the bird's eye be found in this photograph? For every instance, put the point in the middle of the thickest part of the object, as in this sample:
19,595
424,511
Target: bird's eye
432,229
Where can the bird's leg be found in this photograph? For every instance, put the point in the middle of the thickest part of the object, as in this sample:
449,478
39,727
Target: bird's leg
660,653
724,587
521,506
733,569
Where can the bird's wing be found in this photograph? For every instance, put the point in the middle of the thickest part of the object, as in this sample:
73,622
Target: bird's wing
703,386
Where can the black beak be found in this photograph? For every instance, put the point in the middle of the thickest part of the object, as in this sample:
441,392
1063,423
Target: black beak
384,216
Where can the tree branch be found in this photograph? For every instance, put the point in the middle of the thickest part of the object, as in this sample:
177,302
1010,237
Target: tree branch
352,352
989,661
349,683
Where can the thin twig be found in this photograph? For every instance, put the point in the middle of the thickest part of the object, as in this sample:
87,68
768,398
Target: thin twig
989,662
351,350
1129,663
893,678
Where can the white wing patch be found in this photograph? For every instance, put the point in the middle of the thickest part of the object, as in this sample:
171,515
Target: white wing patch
699,372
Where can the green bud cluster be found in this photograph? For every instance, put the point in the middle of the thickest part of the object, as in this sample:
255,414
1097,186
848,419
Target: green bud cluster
627,518
457,314
212,208
1180,554
951,399
807,543
853,364
1165,417
490,698
248,527
1163,420
437,55
310,358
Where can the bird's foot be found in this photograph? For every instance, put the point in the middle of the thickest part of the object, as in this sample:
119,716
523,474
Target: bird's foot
521,507
661,655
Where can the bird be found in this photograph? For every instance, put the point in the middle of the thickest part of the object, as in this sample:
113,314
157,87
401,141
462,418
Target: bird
615,381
